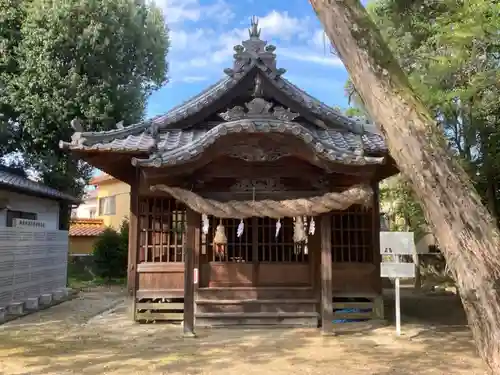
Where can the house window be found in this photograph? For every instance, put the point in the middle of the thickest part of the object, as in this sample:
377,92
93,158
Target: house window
107,206
11,215
92,213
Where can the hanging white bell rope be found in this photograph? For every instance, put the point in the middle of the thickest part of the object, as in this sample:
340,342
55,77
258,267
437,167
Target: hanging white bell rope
241,227
205,224
312,226
278,227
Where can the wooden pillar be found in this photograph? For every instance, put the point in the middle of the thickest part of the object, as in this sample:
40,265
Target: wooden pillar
326,275
190,255
133,236
377,257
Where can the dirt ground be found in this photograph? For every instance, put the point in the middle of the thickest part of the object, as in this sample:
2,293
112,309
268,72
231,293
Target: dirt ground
94,335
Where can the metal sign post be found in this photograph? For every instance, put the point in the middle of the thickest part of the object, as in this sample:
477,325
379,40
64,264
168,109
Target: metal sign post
393,245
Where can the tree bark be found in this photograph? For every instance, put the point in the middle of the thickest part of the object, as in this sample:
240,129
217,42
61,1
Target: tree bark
466,231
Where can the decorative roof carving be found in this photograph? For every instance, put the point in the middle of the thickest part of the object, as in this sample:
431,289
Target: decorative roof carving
77,125
259,184
253,151
258,108
254,51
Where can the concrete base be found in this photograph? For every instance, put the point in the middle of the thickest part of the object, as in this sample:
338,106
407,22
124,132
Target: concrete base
67,292
31,303
15,308
3,313
58,295
46,299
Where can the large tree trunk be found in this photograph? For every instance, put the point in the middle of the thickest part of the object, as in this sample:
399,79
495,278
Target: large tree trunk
466,232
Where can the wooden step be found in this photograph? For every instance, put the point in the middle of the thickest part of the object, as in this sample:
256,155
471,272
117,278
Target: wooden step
264,293
257,306
309,319
159,311
159,293
244,301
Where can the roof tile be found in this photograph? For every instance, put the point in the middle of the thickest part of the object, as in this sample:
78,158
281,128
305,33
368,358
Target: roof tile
86,227
14,181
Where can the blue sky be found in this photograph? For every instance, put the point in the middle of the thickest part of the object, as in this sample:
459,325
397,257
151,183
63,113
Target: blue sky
203,33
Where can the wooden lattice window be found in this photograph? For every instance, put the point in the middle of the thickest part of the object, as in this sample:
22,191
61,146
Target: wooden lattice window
280,248
352,235
238,249
162,223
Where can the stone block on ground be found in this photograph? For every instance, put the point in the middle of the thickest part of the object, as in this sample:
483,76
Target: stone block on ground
31,303
15,308
58,295
46,299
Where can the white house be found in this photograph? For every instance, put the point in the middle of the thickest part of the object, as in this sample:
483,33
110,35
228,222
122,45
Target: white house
88,208
33,238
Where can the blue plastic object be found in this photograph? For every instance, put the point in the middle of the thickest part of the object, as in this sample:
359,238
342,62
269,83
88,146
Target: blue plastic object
347,311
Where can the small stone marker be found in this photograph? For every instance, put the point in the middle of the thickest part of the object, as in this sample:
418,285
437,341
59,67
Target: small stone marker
31,303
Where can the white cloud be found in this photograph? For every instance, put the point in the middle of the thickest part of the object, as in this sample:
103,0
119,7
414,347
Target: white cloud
179,11
193,79
280,25
202,47
325,58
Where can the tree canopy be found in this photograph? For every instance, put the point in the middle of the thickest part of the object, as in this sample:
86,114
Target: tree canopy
95,60
451,52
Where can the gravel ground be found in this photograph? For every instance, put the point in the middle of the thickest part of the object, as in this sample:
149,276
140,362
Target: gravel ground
76,337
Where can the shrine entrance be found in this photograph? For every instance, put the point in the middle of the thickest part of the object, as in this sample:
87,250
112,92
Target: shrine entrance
262,255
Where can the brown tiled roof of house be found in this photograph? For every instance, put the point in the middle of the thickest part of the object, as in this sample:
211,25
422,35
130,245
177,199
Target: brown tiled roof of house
86,227
100,178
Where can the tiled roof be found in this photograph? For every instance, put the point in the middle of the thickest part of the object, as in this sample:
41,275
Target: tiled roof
178,146
86,227
12,180
101,178
169,133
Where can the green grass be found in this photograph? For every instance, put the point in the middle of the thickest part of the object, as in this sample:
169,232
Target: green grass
80,276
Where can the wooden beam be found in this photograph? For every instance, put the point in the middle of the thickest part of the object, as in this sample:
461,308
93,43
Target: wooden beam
133,237
227,167
117,165
326,275
192,219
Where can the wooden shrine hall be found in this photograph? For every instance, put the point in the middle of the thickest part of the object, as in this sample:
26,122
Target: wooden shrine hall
251,203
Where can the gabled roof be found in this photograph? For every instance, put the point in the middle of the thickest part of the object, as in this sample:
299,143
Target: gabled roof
11,179
86,227
170,140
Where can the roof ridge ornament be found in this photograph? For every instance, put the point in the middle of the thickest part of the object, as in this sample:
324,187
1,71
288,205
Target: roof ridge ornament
254,31
254,51
258,108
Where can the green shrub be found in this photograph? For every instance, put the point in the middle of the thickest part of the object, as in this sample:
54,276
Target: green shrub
110,253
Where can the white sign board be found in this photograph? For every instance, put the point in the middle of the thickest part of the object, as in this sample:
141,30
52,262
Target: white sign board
393,270
397,243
